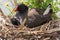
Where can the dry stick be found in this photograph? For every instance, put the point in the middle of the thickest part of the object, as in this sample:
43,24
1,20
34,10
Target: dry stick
38,32
53,30
46,38
4,27
43,28
12,2
2,14
22,24
48,31
15,2
24,21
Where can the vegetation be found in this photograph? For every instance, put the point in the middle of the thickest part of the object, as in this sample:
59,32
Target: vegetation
43,4
35,4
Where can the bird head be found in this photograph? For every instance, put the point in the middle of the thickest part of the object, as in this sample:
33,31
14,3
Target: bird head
22,8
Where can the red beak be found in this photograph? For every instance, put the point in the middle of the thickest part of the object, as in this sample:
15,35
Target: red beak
16,8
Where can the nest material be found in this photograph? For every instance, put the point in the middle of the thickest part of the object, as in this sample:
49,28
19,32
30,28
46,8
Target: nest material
46,31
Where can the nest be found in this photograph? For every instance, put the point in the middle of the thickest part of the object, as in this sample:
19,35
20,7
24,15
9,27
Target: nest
47,31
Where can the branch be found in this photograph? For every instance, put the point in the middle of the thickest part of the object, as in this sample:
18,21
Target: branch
2,14
15,2
53,30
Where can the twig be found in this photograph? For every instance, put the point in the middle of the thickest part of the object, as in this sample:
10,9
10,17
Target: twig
46,38
2,14
39,32
53,30
15,2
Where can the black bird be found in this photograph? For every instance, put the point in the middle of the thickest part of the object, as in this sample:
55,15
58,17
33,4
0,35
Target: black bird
21,13
35,16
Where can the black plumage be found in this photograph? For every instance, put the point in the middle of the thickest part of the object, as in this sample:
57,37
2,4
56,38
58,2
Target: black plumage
15,22
34,17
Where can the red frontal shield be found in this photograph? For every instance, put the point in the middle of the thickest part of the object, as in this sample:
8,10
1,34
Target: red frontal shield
16,8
